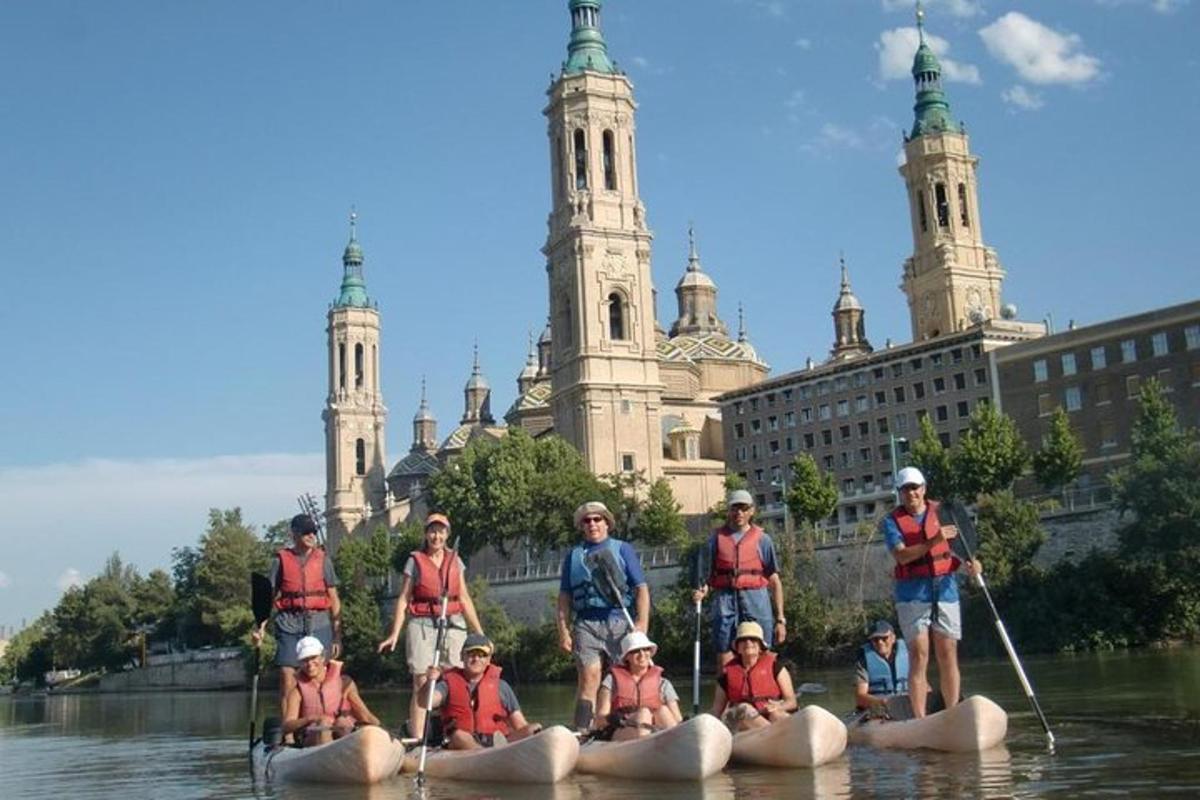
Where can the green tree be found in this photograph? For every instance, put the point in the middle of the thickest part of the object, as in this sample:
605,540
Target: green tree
1010,534
1060,458
933,459
812,494
229,551
363,564
30,652
990,456
659,521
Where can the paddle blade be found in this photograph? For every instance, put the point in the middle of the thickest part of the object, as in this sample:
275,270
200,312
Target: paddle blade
603,564
958,516
700,562
812,688
261,596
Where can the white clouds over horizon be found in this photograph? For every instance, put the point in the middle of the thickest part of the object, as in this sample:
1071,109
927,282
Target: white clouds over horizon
897,47
67,518
1021,97
1037,52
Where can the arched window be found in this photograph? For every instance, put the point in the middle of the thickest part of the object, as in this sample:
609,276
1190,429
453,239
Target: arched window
360,457
962,205
921,209
616,317
358,366
581,181
559,161
341,366
943,205
610,169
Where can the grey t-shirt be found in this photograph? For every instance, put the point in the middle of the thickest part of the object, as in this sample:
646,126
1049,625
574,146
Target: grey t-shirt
410,568
295,622
666,691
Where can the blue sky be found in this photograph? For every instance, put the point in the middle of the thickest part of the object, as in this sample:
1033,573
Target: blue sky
175,181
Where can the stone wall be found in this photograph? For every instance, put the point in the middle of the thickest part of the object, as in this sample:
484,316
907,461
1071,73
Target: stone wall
227,672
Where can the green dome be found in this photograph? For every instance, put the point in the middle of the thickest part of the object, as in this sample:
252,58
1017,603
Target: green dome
354,288
925,61
586,51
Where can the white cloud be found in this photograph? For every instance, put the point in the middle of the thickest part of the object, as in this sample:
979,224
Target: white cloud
70,577
898,46
1023,98
1157,6
803,44
5,582
640,61
80,512
795,99
878,134
955,8
1038,53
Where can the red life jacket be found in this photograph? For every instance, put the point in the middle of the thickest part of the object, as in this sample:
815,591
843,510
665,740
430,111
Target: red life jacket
427,587
302,588
756,685
629,693
737,565
483,713
326,700
939,561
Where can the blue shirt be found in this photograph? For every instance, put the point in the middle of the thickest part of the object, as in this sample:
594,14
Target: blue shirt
917,590
634,577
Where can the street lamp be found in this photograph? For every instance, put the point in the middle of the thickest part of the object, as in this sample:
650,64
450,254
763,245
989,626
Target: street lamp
782,484
893,438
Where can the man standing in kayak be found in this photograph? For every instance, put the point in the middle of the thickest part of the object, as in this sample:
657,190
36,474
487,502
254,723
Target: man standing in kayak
743,576
477,704
590,623
306,602
927,602
324,704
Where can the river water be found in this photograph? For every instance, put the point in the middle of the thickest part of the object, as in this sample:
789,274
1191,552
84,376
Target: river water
1127,724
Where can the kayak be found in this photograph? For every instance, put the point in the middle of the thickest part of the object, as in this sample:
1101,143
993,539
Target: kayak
545,757
690,751
368,755
974,724
808,738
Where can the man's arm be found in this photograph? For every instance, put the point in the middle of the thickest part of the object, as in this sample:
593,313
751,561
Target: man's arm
358,708
292,721
776,587
564,621
335,615
641,602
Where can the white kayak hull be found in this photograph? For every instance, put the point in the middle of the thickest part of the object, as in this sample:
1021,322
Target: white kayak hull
810,737
368,755
974,724
546,757
691,751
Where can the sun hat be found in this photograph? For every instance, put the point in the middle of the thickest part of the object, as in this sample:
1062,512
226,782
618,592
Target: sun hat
308,647
739,497
637,640
910,475
594,507
749,630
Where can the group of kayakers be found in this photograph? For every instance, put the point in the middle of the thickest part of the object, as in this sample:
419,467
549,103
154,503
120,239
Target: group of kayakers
603,616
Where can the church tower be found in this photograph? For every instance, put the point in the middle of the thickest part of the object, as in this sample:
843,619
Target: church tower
606,393
953,279
849,326
696,294
355,417
424,427
477,397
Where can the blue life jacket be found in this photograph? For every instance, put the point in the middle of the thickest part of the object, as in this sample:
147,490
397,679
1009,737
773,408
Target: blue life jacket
586,592
880,679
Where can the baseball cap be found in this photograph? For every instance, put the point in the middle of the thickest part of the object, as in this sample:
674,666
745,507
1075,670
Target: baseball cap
477,641
909,476
880,629
308,647
739,497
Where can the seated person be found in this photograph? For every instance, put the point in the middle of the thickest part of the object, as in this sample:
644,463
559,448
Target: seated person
634,698
753,689
881,673
476,704
324,704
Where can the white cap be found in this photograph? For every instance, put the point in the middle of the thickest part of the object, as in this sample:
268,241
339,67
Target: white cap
910,475
636,641
308,647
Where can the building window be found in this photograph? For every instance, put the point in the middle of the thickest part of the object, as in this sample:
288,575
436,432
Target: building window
864,455
956,355
898,393
1103,393
941,413
580,159
901,423
843,408
790,444
789,419
359,366
756,426
1068,363
827,462
964,409
921,212
616,318
844,433
885,452
860,379
787,395
864,430
824,411
737,408
882,424
758,476
914,365
919,390
1192,334
754,452
1133,386
774,446
342,366
754,404
360,457
610,169
772,423
805,392
1164,377
960,380
1040,373
1128,351
935,360
980,376
944,438
880,399
739,430
1158,343
943,205
770,399
939,385
806,415
877,373
861,404
822,388
1108,435
962,206
810,441
841,384
827,437
845,458
1099,358
897,370
1045,405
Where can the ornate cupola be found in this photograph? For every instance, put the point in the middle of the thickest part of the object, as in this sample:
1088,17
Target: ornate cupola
849,327
586,49
932,110
424,426
696,294
530,371
354,287
477,394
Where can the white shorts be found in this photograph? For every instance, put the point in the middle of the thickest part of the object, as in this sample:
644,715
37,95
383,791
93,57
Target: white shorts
420,640
918,616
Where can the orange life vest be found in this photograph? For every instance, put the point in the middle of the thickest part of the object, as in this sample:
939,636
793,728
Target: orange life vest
302,587
326,700
756,685
939,561
630,693
482,714
737,565
428,584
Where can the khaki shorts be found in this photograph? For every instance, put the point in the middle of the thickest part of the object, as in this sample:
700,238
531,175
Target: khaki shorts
915,616
420,639
595,637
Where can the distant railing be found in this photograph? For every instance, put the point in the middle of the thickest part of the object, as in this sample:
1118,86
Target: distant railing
657,557
1077,498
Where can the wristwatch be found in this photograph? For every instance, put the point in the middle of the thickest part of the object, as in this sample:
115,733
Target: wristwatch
781,620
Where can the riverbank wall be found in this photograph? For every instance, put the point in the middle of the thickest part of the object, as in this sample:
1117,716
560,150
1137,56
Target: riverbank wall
202,670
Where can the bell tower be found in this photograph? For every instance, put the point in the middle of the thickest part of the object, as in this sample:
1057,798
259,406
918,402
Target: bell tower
355,417
606,395
952,280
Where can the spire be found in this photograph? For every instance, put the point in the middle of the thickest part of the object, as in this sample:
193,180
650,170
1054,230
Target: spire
693,256
354,288
586,51
741,323
424,426
477,394
846,299
696,295
932,110
849,327
423,412
529,372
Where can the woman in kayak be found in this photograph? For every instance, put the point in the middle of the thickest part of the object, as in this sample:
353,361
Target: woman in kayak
634,698
324,704
754,689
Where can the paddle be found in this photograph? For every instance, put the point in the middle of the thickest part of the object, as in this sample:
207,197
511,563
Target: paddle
261,597
601,560
959,516
698,581
437,662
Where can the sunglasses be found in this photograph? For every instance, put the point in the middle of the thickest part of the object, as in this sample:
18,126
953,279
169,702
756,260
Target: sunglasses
739,507
477,654
593,520
911,487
